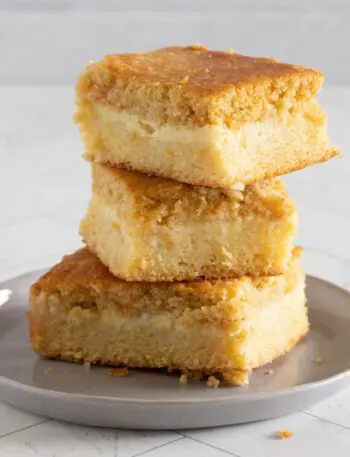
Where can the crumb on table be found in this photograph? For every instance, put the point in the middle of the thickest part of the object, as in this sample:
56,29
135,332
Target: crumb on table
48,370
118,372
284,434
318,360
269,372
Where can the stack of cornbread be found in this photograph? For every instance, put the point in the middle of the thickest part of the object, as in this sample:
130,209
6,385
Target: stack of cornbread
190,263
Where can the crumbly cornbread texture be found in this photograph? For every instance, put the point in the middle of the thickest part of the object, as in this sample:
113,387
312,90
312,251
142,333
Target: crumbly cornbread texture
151,229
202,117
193,85
80,312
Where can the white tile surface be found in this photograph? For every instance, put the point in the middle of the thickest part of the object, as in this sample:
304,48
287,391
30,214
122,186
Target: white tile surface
12,420
335,409
65,440
44,189
186,447
4,267
312,437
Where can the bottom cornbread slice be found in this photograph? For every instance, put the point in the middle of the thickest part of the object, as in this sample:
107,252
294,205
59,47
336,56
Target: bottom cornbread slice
80,312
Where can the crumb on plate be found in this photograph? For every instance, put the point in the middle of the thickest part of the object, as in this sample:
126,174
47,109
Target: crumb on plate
213,382
118,372
183,379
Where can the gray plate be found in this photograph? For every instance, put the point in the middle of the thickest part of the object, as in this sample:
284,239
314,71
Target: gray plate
155,400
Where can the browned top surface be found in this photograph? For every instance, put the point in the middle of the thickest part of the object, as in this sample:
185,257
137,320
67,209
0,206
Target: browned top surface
81,277
200,69
82,268
195,86
158,199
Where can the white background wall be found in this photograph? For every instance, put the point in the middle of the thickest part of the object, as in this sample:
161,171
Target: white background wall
49,42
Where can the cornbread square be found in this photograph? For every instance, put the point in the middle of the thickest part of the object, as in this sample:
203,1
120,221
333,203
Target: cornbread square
151,229
80,312
202,117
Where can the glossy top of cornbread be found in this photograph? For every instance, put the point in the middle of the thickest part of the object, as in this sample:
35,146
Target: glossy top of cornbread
81,278
195,85
155,198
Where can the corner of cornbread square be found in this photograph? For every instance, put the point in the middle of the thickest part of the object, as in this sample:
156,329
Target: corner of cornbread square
80,312
203,117
152,229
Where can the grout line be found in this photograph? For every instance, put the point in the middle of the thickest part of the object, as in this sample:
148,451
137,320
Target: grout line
326,420
210,445
24,428
159,446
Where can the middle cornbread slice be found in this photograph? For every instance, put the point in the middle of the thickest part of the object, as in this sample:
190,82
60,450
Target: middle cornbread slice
151,229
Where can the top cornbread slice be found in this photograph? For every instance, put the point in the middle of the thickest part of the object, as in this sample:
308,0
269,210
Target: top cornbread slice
202,117
198,86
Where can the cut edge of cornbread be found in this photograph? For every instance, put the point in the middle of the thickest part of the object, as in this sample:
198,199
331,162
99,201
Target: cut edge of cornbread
211,155
80,312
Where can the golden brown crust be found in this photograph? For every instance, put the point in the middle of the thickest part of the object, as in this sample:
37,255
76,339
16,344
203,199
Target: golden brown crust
161,199
79,270
201,70
85,276
187,85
